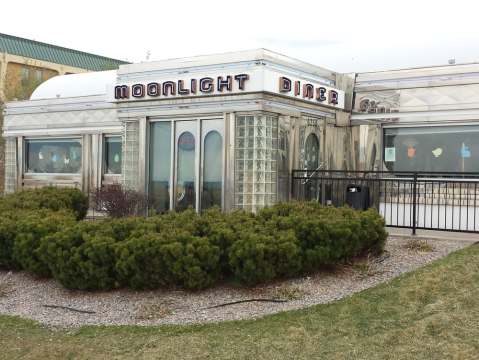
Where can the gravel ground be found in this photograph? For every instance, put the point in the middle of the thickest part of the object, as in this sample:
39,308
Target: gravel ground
23,295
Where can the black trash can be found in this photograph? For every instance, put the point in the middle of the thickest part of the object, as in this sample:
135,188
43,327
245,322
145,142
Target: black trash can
357,196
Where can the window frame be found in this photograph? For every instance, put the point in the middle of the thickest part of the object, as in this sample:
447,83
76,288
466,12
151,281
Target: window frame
25,155
382,135
103,155
199,126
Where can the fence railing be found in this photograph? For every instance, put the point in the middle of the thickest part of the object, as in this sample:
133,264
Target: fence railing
417,200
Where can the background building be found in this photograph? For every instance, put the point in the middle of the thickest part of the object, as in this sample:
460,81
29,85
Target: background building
25,64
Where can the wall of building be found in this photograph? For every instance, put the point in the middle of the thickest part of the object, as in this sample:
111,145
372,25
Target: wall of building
19,76
420,98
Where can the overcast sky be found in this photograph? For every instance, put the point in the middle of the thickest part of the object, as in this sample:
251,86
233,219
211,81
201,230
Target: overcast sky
345,36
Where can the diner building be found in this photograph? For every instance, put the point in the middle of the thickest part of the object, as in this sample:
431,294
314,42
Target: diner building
228,129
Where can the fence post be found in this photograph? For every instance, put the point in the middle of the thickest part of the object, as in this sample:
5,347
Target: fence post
323,190
291,195
414,204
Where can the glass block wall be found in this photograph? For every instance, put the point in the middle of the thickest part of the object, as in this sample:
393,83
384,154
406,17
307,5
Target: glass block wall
130,157
10,164
256,146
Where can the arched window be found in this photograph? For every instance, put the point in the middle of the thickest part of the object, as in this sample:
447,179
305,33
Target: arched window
311,152
185,185
160,166
212,170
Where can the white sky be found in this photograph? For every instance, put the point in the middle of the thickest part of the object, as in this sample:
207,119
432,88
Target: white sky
342,35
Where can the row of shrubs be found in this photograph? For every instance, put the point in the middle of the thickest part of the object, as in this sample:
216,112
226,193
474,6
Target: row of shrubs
183,249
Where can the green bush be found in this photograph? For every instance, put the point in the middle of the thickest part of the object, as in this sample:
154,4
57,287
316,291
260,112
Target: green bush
49,197
31,228
258,257
82,256
373,233
8,231
40,232
155,260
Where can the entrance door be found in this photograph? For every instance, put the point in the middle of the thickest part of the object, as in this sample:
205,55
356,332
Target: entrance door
311,152
311,162
212,159
186,164
186,147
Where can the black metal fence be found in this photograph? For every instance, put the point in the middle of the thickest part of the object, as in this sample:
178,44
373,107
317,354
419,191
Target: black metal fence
416,200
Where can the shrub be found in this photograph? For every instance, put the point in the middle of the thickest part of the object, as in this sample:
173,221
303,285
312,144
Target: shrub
373,233
38,233
8,231
49,197
81,257
31,228
154,260
119,202
257,257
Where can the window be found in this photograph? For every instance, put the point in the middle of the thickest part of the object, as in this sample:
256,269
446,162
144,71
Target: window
160,166
185,183
25,74
53,156
438,148
311,161
185,164
38,75
112,154
212,170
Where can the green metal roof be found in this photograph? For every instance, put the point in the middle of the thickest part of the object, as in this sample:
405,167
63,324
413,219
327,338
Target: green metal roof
56,54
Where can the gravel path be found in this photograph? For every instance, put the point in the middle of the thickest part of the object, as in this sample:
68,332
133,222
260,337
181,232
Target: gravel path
21,294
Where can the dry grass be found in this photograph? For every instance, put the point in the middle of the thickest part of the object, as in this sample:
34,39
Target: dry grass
288,293
4,289
415,244
152,311
366,267
432,313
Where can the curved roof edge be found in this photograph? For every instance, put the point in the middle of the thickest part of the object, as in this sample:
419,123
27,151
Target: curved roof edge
75,85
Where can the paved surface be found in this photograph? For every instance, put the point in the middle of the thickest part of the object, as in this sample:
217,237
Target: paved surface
430,234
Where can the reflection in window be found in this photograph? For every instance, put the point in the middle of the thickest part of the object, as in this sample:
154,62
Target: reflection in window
160,166
53,156
113,155
311,152
212,170
185,186
311,162
441,149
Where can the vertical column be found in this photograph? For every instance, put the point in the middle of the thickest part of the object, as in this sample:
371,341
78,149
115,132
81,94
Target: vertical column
96,161
86,163
131,155
3,77
10,165
229,168
142,154
19,164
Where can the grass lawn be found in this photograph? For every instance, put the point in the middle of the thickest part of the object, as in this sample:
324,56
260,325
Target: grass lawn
432,313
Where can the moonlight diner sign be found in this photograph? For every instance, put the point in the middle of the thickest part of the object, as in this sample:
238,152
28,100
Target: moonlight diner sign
231,84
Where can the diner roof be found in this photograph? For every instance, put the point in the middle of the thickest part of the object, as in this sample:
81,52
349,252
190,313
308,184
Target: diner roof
75,85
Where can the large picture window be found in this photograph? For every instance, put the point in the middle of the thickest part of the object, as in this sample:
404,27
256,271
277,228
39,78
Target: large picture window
160,166
212,170
434,148
53,156
112,154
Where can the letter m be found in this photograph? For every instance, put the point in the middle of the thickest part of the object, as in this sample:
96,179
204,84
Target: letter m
122,92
